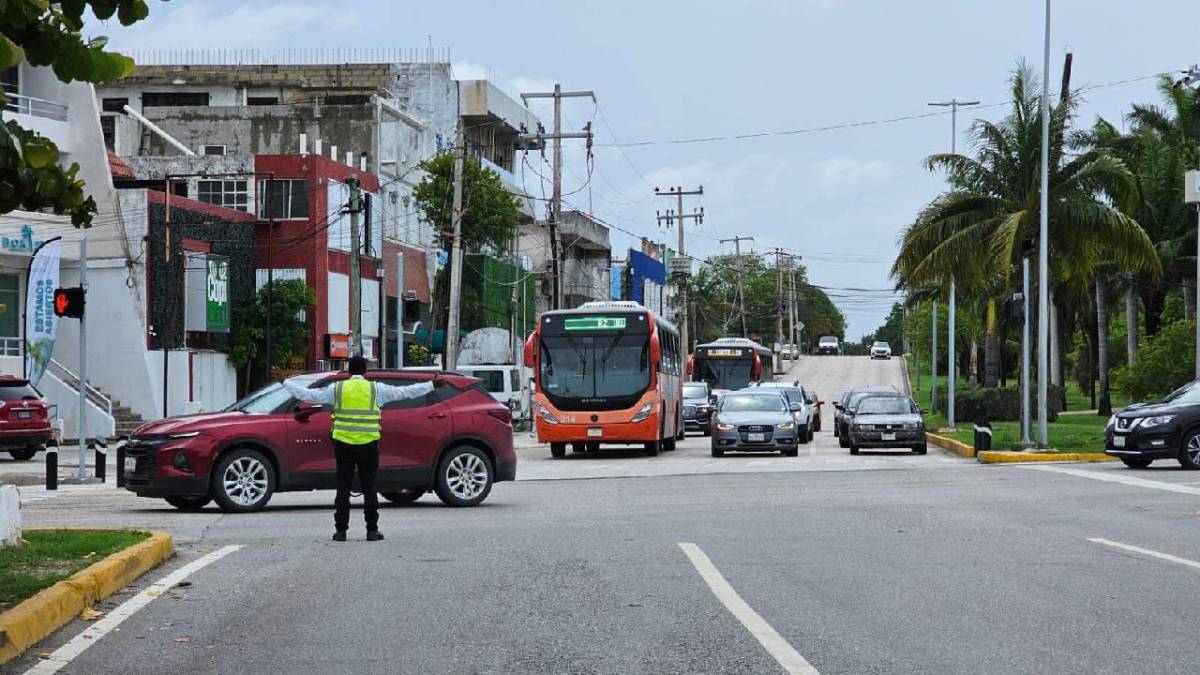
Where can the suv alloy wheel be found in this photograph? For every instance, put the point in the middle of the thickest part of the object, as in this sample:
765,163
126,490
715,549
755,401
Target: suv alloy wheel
243,481
464,477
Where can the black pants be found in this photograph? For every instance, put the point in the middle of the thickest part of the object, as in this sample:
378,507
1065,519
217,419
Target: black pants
365,458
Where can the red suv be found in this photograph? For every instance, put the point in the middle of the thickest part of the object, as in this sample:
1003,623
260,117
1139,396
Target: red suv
456,441
24,420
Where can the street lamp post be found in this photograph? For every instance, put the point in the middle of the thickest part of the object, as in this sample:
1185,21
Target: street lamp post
1043,369
1191,77
953,104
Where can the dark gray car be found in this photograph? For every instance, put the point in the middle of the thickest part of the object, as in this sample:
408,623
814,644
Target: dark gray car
755,421
887,422
698,407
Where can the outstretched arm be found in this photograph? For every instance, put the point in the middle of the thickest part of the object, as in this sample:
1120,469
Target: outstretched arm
324,395
388,393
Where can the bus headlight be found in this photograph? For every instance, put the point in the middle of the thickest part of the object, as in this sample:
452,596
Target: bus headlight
643,413
547,416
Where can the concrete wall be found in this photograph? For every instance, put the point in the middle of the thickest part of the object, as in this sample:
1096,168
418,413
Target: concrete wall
99,423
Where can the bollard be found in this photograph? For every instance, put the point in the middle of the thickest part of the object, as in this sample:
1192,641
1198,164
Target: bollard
101,447
983,436
52,464
121,460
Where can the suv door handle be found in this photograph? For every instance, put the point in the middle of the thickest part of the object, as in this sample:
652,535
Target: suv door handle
437,415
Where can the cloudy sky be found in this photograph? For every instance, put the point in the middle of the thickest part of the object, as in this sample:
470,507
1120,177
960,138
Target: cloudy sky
667,70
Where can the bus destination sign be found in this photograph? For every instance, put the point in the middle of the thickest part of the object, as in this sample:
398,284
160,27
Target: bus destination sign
594,323
725,353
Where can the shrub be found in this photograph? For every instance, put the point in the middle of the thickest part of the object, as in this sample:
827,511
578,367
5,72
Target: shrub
418,355
1165,362
994,404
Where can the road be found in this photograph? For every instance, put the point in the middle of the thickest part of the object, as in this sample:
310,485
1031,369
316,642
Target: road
929,566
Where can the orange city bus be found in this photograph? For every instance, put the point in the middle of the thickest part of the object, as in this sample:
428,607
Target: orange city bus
731,363
607,372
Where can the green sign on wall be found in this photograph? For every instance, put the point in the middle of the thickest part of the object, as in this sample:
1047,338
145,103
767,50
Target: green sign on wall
217,293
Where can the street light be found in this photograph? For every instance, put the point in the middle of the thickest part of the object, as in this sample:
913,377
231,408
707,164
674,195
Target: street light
1044,247
953,104
1191,77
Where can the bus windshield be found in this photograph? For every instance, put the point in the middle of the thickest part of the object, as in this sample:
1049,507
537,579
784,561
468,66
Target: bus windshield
725,373
595,371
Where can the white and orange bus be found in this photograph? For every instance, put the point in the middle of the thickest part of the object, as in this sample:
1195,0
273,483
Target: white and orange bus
731,363
606,373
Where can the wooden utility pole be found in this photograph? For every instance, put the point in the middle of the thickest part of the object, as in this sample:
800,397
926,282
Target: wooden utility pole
792,309
779,297
556,195
452,322
355,209
737,247
678,217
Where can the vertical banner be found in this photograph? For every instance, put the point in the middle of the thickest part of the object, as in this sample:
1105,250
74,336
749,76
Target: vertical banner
41,324
217,294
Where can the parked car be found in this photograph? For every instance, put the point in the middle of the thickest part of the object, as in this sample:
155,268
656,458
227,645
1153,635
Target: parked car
795,394
788,351
828,345
844,408
24,418
1168,428
881,350
698,405
755,421
455,441
815,403
887,422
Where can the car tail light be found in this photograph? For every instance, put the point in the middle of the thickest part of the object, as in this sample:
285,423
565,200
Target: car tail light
504,415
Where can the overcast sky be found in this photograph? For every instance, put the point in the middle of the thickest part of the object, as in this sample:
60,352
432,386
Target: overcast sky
679,69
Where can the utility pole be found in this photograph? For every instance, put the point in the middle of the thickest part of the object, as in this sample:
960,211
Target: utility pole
556,195
1044,249
779,298
795,342
678,216
355,206
1191,77
456,256
83,430
737,247
951,345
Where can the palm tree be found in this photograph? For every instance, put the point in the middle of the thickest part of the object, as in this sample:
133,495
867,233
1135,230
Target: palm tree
993,200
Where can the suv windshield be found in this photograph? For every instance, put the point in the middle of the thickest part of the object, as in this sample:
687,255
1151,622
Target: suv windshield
880,345
695,391
269,399
735,403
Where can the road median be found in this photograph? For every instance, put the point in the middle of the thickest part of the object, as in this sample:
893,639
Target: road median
50,609
966,451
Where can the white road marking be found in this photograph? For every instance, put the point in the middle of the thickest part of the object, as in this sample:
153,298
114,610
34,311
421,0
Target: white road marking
64,654
1111,477
773,642
1145,551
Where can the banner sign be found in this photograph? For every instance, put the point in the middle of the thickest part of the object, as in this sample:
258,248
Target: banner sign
217,293
41,323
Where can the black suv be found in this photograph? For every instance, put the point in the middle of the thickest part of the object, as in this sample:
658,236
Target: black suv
698,404
1165,429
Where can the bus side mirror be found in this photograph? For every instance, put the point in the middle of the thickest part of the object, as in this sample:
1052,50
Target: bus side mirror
655,350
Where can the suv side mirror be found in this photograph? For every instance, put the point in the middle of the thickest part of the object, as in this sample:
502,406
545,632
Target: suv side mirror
796,407
307,410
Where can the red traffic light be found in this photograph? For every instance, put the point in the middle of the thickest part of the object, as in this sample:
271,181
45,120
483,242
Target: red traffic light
69,302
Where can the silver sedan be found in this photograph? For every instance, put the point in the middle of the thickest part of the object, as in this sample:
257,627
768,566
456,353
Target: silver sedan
755,421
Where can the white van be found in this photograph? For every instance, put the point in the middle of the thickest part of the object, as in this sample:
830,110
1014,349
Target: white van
506,384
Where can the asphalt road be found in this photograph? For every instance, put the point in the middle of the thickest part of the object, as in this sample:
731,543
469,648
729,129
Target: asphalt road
909,570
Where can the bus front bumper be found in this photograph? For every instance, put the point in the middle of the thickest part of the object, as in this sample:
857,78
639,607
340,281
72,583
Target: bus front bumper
599,432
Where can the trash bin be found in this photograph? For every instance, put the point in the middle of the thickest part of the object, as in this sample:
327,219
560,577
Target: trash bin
983,436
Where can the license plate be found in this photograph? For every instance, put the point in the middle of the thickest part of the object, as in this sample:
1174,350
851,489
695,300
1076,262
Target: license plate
23,414
756,438
888,437
130,464
595,432
1118,441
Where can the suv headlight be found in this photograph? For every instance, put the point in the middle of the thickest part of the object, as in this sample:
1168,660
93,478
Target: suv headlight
643,412
547,416
1157,421
185,434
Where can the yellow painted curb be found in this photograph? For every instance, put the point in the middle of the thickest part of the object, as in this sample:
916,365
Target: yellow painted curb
52,608
949,444
997,457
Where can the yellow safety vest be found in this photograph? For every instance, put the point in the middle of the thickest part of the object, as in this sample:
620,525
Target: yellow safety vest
356,415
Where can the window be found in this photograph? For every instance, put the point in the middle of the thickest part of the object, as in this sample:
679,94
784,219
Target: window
108,128
228,193
211,150
288,199
436,396
174,98
10,80
493,380
262,100
10,326
347,99
113,105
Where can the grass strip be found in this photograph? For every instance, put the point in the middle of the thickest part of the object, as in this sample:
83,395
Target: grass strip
49,556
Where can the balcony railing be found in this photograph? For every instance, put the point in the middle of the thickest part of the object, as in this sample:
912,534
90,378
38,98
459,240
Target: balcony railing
28,105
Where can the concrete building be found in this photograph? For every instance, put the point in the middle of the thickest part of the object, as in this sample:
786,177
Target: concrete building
584,260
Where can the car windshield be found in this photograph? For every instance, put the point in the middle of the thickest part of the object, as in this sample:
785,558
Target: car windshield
17,392
269,399
858,397
695,391
736,403
886,405
880,345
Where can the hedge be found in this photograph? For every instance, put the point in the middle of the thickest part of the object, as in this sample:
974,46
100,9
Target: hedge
993,404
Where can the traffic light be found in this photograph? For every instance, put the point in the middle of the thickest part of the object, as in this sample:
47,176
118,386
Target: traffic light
69,302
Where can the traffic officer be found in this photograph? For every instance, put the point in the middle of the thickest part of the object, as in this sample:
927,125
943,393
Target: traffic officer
357,404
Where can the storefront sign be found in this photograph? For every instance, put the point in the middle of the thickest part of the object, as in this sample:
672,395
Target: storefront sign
23,244
42,324
217,294
339,345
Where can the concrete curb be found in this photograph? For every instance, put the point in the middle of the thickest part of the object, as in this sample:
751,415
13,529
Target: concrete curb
950,445
997,457
39,616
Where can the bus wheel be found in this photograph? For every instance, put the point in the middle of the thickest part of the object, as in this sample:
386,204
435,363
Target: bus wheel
558,450
651,449
668,444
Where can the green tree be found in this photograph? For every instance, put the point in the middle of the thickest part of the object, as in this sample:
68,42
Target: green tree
289,332
490,215
994,199
42,33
